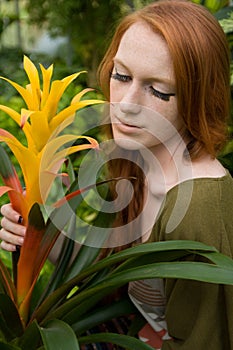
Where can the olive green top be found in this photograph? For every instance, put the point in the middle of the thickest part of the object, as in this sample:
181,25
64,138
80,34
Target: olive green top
199,315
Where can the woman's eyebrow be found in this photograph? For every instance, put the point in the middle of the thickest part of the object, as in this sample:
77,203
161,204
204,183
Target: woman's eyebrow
151,79
118,61
168,82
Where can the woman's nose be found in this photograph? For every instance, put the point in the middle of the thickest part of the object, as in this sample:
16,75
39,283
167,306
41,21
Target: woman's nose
130,108
130,103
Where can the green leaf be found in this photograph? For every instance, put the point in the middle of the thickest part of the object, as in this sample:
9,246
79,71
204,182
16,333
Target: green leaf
88,253
6,282
219,259
191,270
10,178
58,335
125,341
186,270
4,346
190,247
62,262
103,314
136,325
36,218
30,338
10,323
6,169
138,251
165,256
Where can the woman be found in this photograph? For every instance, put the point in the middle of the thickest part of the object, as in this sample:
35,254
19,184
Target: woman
166,75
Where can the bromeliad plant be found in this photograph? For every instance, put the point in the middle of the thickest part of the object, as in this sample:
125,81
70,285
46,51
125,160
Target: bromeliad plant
39,122
61,313
42,124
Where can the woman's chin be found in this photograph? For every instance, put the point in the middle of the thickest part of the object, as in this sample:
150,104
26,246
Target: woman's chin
128,143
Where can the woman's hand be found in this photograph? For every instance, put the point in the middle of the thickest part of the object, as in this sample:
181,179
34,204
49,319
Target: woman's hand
12,232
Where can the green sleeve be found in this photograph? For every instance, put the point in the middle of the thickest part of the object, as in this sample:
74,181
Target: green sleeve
200,315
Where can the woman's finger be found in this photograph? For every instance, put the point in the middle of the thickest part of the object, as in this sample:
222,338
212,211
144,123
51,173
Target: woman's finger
12,227
10,213
8,246
10,238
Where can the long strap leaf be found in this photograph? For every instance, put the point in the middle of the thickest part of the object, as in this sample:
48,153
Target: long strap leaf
103,314
61,265
10,178
152,271
10,322
125,341
4,346
186,270
6,282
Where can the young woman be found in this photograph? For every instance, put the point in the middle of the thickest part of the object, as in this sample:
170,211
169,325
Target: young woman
166,75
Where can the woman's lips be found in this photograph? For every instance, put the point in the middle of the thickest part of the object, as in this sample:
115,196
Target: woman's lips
125,126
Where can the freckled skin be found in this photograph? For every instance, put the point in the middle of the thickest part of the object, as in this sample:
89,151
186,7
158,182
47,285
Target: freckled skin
148,65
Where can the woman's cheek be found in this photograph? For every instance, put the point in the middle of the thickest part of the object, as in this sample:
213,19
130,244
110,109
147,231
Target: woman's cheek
117,91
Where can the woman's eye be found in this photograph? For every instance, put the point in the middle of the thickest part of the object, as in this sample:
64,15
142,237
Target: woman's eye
121,77
163,96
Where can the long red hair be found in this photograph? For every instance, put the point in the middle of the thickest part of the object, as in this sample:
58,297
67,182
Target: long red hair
201,61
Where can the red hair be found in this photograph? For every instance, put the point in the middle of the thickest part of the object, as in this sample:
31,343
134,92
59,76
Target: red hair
200,54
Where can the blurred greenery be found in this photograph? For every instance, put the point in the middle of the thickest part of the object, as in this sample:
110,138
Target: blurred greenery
87,26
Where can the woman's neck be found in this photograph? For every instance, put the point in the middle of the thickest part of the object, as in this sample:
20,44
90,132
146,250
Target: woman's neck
166,164
169,164
166,169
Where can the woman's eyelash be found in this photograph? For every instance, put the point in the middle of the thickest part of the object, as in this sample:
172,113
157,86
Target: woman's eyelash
120,77
163,96
126,78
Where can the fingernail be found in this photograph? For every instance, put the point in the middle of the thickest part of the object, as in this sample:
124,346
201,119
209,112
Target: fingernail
20,220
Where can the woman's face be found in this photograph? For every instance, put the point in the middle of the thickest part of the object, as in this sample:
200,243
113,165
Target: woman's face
143,104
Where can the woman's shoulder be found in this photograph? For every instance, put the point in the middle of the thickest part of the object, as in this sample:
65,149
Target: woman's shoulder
205,188
198,209
203,196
